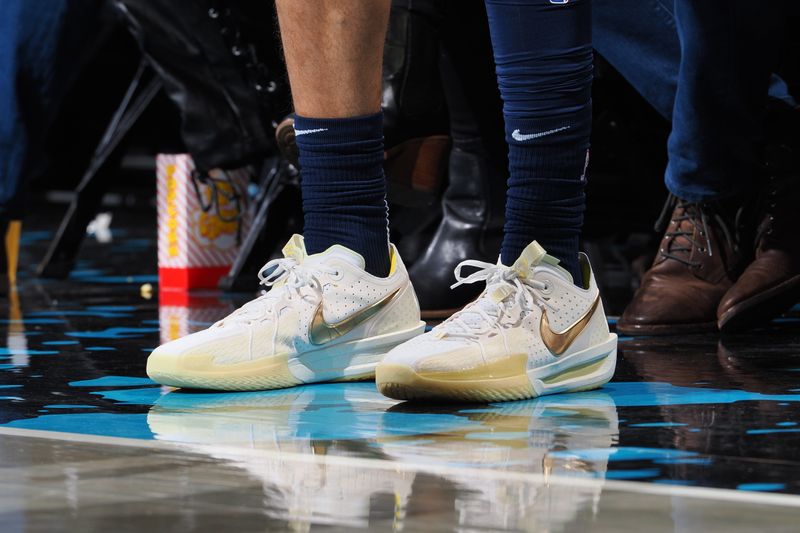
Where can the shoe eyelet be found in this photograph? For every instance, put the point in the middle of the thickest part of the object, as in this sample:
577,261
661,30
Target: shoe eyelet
337,275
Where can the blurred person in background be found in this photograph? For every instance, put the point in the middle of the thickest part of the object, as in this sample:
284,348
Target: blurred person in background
730,255
40,45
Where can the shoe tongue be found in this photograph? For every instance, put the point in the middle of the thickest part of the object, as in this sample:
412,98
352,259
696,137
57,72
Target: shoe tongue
534,255
295,248
339,252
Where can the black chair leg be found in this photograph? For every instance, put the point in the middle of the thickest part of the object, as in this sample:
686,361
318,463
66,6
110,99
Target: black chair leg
278,207
60,257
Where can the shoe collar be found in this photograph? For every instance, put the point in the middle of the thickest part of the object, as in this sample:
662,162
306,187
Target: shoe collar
534,256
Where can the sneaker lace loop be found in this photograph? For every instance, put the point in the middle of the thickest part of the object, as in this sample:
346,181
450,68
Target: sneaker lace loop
486,313
294,276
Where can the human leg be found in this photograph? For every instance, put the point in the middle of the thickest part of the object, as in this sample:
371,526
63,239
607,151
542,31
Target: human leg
504,345
544,70
714,157
340,298
334,52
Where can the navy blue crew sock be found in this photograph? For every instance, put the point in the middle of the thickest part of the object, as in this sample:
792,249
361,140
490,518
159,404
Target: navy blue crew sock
343,187
543,56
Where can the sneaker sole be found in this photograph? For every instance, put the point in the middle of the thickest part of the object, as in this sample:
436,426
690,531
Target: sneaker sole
349,361
582,371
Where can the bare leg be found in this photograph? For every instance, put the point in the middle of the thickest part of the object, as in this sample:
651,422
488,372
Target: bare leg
334,53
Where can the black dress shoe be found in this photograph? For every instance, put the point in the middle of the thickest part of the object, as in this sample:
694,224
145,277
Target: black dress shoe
471,228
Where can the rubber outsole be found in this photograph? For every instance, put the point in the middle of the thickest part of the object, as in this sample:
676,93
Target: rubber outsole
356,363
401,382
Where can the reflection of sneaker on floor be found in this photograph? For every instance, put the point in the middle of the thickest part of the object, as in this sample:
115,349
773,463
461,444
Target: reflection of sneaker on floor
280,425
531,332
535,436
514,435
277,419
324,319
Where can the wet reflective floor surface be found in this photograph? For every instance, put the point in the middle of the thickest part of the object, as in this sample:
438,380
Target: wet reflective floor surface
694,433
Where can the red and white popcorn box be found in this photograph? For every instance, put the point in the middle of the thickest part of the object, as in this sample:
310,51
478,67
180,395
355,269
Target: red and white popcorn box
200,222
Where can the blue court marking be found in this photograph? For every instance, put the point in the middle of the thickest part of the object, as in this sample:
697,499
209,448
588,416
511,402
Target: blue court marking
10,386
25,351
113,381
124,425
146,396
625,453
116,280
59,343
768,431
685,461
657,425
112,308
112,333
32,321
629,394
100,349
10,398
641,473
69,406
86,272
30,237
99,313
762,486
784,424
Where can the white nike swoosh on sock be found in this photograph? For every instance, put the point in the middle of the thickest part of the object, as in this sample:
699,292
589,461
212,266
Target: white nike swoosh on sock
306,132
528,136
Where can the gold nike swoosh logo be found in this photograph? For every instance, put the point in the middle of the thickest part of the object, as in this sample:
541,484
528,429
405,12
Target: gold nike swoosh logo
558,343
320,332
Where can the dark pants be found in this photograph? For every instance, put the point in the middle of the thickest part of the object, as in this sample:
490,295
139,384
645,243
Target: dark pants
705,65
35,39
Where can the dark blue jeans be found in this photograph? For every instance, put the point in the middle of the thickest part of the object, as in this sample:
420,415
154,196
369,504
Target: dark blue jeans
705,65
37,39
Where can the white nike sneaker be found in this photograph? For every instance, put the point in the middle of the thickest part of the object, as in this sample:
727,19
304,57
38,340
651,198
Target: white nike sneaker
324,319
531,332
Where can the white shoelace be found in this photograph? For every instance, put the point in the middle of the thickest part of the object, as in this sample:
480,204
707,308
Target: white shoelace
485,314
295,277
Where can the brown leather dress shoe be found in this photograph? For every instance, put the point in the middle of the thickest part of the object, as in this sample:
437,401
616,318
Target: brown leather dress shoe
691,273
771,283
